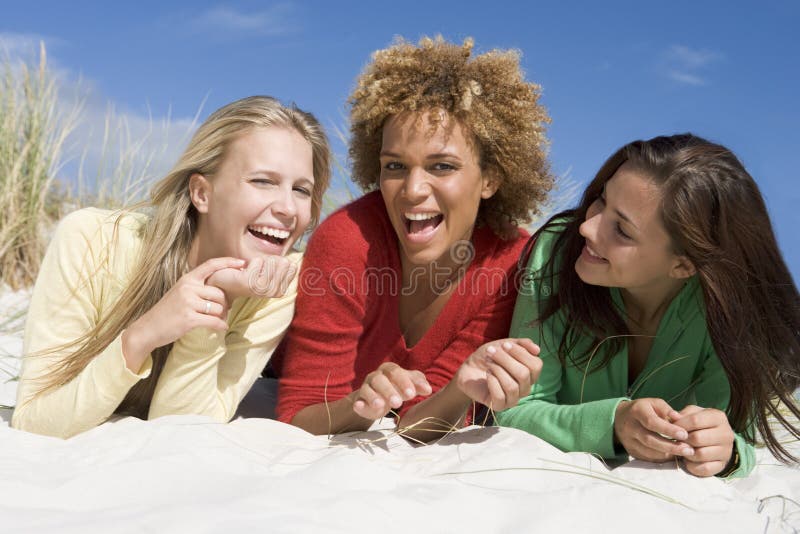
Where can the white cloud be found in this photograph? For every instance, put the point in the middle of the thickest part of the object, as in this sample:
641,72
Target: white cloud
687,65
225,20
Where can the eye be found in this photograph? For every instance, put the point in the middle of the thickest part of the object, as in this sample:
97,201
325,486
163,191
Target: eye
302,190
620,232
443,166
393,166
262,181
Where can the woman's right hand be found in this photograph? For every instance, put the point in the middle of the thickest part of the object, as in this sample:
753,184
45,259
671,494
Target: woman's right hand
189,304
387,388
643,427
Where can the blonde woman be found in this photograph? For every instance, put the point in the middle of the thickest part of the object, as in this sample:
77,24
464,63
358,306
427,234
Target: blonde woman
178,310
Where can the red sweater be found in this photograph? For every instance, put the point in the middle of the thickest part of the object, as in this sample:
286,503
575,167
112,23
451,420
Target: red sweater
346,321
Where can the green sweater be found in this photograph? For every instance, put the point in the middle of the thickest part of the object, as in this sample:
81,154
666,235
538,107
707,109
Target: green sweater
574,410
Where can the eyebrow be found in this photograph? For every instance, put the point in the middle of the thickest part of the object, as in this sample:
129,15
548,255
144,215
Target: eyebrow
625,218
619,213
437,155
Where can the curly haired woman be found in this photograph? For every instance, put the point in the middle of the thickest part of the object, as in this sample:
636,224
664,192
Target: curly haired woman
407,293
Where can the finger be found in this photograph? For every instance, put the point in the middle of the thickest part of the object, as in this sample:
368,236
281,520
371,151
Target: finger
423,387
710,436
713,453
504,364
511,388
528,345
209,267
531,364
687,410
703,469
384,387
401,380
664,447
497,398
652,415
372,403
209,308
212,293
707,418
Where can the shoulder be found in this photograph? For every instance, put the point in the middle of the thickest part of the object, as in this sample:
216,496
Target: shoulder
94,224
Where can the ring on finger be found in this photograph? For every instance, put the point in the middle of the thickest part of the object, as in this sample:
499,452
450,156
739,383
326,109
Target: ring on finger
207,309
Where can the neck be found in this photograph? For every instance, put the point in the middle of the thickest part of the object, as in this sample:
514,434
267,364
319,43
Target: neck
645,306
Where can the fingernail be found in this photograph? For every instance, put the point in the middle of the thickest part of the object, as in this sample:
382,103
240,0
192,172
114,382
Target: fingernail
359,404
395,400
681,435
687,451
409,392
377,402
491,349
507,345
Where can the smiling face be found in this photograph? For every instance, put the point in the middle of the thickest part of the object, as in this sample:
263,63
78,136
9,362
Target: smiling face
259,200
626,243
432,185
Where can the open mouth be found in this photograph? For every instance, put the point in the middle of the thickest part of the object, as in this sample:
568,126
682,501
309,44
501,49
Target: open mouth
422,223
271,235
592,255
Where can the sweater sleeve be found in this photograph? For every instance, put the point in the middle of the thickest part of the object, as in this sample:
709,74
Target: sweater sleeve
70,293
586,427
712,390
208,373
321,346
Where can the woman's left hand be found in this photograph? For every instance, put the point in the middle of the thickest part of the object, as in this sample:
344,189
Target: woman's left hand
500,372
710,436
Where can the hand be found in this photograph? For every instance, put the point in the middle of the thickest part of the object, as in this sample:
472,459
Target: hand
386,388
711,436
642,426
267,276
190,303
500,372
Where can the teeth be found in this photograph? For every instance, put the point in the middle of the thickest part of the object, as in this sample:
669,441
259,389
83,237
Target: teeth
274,232
421,216
592,253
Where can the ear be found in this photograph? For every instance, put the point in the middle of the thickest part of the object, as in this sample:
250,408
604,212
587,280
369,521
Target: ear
200,190
490,185
682,268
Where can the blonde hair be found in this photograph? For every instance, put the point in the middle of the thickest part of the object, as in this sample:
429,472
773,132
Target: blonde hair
168,234
488,96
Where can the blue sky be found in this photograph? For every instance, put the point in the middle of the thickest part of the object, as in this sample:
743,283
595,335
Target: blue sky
610,71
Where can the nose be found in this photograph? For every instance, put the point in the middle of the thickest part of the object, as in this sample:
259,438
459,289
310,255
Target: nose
285,204
416,186
590,227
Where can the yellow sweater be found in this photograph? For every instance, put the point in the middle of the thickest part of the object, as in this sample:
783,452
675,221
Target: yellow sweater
206,372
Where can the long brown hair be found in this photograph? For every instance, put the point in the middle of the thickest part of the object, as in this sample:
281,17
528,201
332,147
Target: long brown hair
168,233
716,217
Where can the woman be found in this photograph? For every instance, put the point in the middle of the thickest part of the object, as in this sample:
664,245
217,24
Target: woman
407,293
179,311
667,318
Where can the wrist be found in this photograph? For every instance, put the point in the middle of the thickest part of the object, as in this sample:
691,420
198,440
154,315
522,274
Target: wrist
733,462
134,349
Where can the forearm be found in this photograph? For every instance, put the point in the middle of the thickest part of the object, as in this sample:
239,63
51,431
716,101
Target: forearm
433,417
334,417
83,403
587,427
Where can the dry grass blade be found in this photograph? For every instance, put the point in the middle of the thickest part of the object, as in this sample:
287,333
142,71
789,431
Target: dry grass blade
577,470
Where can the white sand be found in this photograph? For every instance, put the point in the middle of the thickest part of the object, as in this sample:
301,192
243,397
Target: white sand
188,474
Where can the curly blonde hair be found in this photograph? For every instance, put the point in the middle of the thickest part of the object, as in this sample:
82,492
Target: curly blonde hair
487,95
